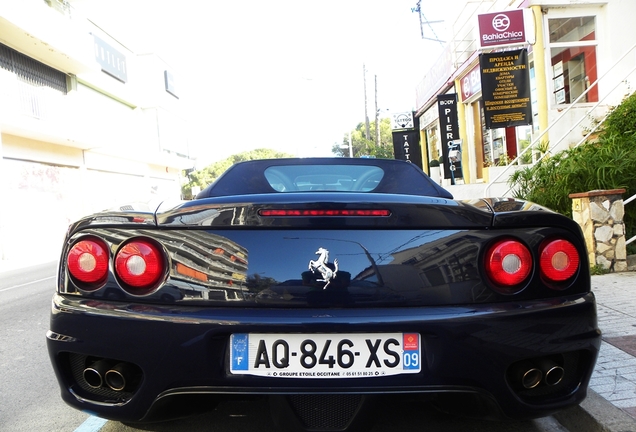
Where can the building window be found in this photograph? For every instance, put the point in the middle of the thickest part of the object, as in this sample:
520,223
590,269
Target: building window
573,58
111,60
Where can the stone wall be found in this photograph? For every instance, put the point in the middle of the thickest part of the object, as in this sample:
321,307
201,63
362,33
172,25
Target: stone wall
600,215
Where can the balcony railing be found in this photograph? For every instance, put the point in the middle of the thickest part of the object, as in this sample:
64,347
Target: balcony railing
594,120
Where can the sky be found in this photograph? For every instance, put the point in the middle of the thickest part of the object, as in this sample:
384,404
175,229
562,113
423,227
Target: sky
281,74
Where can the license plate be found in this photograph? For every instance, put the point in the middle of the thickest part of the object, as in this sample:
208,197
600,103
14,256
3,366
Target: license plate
325,355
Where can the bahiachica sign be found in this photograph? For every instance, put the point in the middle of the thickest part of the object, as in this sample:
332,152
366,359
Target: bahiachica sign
504,28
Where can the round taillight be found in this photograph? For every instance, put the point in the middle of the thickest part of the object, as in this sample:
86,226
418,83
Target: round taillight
87,262
508,264
139,264
559,260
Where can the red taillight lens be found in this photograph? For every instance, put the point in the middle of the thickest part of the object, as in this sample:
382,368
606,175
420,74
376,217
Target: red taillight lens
88,263
140,265
508,264
559,260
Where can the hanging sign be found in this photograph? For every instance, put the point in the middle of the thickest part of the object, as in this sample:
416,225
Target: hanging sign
511,27
406,146
505,88
406,138
402,120
449,131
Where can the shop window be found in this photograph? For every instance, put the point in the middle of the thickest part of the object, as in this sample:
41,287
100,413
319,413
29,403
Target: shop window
434,151
573,59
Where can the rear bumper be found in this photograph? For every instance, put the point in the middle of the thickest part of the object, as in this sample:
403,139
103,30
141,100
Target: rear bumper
183,352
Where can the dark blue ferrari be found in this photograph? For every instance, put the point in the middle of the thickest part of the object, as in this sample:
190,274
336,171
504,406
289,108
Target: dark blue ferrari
324,285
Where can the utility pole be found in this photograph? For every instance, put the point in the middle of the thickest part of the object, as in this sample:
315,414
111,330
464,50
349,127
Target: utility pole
377,114
366,114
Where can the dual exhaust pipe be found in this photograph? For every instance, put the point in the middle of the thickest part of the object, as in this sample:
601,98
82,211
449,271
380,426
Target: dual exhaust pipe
532,373
102,373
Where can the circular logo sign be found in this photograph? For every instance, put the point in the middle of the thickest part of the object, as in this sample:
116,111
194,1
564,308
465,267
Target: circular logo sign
500,22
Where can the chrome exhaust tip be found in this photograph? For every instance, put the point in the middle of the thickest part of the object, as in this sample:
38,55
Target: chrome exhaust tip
528,375
552,372
94,374
117,378
531,378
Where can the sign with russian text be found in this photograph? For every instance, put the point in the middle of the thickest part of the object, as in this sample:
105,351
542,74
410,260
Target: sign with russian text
505,89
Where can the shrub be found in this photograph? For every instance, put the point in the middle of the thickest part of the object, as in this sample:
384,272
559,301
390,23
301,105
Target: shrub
622,119
609,163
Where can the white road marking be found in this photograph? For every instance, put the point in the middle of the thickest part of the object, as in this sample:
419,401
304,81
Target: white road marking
28,283
91,424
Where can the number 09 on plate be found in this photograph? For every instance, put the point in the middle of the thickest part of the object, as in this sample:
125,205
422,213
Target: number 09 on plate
325,355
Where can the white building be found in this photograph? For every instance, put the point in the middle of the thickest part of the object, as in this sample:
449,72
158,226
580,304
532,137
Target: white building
582,58
85,125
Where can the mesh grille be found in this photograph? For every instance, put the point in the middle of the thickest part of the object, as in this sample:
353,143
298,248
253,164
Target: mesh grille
325,412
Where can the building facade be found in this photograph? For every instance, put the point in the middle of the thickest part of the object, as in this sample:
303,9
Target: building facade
85,125
581,58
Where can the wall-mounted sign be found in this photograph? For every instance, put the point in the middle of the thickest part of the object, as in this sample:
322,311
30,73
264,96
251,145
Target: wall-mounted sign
506,28
471,83
402,120
406,146
505,89
406,139
449,131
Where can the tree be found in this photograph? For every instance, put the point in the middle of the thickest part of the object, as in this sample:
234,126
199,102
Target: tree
207,175
364,147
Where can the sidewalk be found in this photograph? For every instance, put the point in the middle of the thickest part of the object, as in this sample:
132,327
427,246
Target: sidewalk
615,374
614,378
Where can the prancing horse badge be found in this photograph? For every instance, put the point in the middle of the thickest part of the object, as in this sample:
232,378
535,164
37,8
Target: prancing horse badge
321,265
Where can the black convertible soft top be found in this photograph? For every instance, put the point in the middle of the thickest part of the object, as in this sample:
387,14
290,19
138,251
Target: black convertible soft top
266,176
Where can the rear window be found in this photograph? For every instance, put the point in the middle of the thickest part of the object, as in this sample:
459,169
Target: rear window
340,178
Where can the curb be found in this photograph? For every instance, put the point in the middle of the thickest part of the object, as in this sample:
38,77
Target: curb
595,414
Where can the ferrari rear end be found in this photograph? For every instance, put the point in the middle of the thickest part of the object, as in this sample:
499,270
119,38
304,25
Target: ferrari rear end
324,302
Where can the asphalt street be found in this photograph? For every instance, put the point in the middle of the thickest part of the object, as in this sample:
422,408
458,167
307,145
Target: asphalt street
30,397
